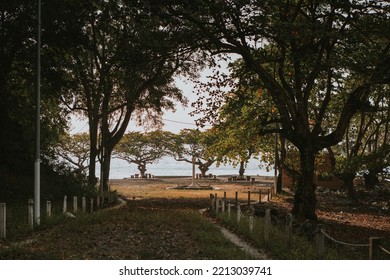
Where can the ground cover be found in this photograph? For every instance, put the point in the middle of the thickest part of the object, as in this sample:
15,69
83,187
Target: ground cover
159,222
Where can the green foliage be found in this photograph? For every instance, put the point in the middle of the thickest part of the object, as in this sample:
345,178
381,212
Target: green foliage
142,148
304,54
17,102
206,240
301,247
195,144
75,150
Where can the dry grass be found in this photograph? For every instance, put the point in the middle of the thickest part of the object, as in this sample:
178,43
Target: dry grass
162,188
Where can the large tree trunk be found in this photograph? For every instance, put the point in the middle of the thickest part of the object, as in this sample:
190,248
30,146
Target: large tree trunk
203,169
282,158
305,197
371,179
93,154
348,181
242,169
105,169
142,169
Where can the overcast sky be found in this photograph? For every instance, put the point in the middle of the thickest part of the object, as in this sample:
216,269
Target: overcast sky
173,121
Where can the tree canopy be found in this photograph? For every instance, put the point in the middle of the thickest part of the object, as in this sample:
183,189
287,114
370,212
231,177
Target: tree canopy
142,148
125,60
304,53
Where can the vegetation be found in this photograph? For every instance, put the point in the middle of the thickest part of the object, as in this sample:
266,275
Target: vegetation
180,233
144,148
304,55
195,146
312,77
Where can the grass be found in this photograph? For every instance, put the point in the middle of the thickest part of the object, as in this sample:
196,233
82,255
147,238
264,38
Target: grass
300,247
125,233
155,227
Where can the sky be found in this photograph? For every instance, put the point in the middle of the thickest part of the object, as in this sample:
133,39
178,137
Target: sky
173,121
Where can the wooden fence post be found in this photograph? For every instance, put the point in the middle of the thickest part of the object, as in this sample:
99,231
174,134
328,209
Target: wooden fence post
320,242
236,200
374,243
217,206
65,206
238,213
267,225
83,204
229,210
98,201
289,220
30,205
3,220
212,202
249,199
91,202
48,208
268,195
259,195
223,206
74,204
251,214
115,196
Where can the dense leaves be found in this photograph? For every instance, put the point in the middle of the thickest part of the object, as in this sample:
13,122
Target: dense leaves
144,148
303,53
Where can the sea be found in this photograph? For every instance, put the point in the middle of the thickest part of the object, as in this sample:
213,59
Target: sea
168,166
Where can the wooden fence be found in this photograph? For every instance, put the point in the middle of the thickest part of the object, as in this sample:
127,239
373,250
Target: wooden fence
220,205
87,205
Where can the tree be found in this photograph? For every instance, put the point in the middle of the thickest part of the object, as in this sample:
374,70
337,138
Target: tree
303,52
236,120
142,148
74,149
193,146
364,149
17,99
125,62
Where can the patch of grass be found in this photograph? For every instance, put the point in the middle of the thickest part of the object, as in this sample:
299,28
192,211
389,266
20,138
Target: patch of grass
299,248
127,233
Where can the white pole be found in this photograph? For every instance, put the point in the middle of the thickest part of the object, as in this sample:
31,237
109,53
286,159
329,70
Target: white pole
48,208
74,204
31,213
193,184
64,208
83,204
37,170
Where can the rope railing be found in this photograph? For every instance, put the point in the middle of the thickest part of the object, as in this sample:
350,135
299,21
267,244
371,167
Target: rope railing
374,244
343,243
384,250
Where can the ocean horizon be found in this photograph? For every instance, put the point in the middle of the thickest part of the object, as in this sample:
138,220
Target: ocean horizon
168,166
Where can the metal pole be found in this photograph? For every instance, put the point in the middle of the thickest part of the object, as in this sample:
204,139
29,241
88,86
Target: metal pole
193,171
276,165
37,171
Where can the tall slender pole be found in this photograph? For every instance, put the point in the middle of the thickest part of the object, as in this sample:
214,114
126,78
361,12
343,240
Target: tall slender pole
276,164
37,171
193,184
